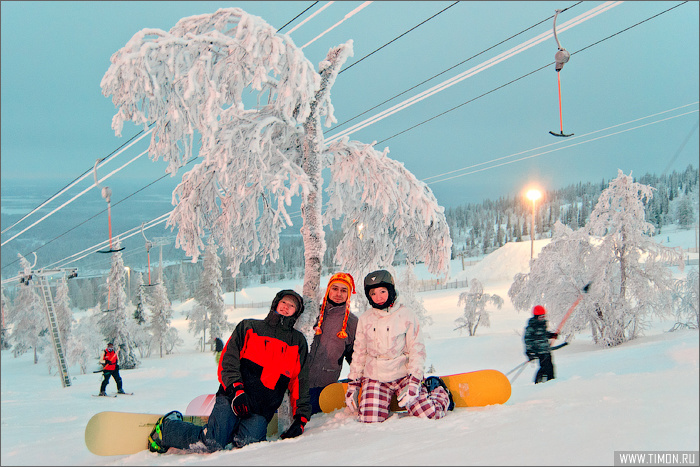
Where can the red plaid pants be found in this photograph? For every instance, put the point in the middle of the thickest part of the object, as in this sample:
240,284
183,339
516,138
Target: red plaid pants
376,399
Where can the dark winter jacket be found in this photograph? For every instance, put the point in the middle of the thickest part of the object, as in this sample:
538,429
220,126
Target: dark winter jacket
328,350
537,337
268,357
110,360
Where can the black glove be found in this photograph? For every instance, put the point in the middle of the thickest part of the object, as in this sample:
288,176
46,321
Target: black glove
530,357
296,428
554,335
240,404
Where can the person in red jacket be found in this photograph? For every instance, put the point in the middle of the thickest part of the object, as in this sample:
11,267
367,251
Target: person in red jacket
110,361
260,362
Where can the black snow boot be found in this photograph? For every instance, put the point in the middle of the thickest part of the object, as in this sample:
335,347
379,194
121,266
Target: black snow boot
155,439
432,382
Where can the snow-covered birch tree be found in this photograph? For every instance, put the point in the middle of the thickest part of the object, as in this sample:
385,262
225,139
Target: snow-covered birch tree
629,271
191,81
114,320
475,312
687,299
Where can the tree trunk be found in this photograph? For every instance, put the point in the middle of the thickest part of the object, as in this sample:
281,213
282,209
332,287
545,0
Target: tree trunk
312,214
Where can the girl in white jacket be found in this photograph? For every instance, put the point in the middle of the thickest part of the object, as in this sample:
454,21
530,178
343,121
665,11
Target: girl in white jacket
388,359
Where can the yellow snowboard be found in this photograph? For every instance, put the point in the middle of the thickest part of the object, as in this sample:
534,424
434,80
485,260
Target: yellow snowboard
473,389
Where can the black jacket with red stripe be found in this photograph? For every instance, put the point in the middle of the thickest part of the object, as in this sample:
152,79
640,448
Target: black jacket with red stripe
268,357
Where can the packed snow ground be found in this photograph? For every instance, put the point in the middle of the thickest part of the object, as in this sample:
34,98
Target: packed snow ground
642,395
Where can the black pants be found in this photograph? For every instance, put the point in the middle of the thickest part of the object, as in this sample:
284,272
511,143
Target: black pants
114,374
546,371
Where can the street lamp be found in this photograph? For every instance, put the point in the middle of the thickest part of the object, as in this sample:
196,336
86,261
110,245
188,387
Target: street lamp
533,195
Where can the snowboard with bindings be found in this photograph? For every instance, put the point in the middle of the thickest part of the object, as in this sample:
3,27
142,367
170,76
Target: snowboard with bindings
123,433
473,389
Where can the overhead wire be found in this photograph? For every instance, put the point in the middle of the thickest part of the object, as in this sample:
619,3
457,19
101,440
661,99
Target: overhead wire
564,147
471,72
525,75
345,18
310,17
70,184
292,20
443,72
397,37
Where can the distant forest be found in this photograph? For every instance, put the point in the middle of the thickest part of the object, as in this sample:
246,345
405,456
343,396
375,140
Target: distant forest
476,229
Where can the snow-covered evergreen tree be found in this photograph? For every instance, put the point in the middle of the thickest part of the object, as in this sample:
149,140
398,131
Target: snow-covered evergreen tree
196,79
475,312
180,289
208,312
62,305
114,320
160,316
139,316
85,343
28,318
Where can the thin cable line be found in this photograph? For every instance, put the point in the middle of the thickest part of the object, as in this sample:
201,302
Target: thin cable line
471,72
446,70
523,76
398,37
309,7
345,18
563,147
560,142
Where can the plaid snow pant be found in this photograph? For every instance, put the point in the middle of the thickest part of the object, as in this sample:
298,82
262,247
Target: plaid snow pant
376,399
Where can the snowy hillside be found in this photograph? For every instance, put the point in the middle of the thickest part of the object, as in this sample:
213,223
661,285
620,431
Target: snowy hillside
642,395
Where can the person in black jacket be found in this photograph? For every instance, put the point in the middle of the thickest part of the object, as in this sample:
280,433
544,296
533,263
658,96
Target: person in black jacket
260,362
537,344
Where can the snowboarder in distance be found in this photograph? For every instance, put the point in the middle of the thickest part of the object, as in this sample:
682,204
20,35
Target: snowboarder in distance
262,359
218,347
389,357
537,344
334,338
110,364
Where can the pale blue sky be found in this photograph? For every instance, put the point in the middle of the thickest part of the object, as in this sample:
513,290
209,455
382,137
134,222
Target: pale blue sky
56,123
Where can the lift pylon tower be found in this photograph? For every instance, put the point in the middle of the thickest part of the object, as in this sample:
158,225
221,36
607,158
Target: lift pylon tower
42,284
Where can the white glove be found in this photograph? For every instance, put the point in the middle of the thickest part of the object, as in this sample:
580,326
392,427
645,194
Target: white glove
351,394
410,392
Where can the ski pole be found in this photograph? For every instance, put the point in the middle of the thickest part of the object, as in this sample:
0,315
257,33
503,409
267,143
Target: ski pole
522,364
522,367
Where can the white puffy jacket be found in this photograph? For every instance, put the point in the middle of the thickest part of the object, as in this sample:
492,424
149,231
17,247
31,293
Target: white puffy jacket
388,345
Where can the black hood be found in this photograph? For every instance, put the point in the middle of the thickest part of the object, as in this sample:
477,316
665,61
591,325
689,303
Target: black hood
274,318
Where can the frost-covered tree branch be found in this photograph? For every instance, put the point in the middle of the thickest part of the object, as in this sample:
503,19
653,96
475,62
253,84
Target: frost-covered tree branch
256,103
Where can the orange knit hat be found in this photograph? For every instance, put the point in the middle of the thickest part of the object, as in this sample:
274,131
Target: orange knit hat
345,279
